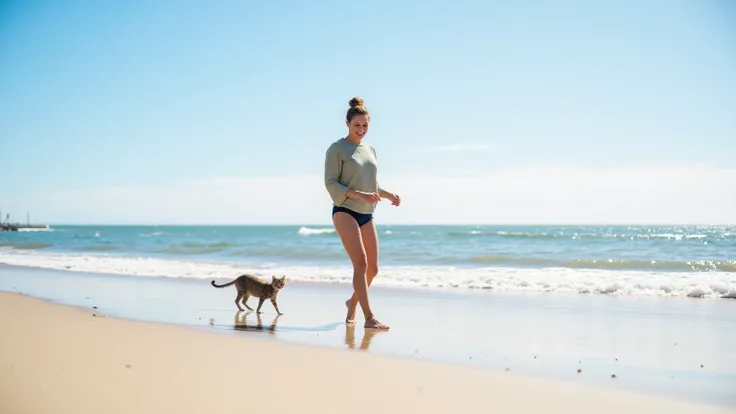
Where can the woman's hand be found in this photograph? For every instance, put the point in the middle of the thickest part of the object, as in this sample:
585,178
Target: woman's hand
395,199
370,198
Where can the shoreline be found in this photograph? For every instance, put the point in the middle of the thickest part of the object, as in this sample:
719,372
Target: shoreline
612,283
414,289
341,285
109,364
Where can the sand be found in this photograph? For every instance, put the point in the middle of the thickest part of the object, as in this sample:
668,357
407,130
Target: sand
61,359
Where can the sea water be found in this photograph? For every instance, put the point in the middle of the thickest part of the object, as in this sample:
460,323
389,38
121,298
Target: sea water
694,261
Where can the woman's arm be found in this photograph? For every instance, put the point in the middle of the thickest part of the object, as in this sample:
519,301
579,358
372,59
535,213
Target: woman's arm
333,166
395,199
382,192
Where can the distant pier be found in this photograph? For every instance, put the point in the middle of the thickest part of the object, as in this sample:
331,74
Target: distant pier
18,227
8,226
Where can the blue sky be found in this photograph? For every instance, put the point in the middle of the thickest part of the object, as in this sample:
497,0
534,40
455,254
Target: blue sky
158,112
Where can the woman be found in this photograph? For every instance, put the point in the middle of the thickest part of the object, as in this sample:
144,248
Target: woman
350,178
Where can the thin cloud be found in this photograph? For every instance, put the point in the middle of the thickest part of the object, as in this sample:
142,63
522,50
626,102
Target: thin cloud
651,194
459,147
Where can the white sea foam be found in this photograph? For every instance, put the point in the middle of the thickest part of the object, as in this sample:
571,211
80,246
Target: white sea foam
583,281
154,234
306,231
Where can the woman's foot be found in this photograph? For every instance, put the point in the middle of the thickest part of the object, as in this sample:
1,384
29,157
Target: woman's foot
374,323
350,319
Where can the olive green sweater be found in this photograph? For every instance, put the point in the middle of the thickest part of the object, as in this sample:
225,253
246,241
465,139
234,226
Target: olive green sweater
351,166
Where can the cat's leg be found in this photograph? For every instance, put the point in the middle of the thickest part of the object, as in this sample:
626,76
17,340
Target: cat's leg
245,301
260,303
276,306
237,301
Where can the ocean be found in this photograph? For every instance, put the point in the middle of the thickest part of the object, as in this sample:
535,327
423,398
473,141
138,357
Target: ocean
684,261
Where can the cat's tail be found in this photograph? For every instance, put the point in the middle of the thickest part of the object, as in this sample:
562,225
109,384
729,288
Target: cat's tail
222,286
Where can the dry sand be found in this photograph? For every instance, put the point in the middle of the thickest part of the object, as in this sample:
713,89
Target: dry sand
59,359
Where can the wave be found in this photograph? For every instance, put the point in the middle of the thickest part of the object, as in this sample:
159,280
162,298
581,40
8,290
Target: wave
495,258
318,252
614,264
26,245
306,231
694,265
190,250
574,236
197,248
289,252
100,247
154,234
35,229
545,279
208,245
500,233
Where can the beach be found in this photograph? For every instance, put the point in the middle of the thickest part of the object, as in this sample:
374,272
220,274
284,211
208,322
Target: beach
469,350
63,359
549,188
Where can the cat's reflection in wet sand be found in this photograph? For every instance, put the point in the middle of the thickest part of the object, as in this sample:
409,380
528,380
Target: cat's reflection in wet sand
241,323
365,343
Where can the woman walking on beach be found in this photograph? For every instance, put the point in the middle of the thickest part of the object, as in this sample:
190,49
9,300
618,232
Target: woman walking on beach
350,179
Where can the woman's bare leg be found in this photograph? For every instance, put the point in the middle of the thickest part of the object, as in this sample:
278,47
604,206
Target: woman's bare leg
349,232
350,235
369,236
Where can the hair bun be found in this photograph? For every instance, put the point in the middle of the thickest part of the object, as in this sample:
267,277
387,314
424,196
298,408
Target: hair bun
357,101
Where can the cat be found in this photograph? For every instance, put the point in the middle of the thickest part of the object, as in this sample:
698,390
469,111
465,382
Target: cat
248,285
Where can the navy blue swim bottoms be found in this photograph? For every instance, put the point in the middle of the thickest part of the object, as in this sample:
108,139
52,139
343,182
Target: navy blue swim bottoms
359,217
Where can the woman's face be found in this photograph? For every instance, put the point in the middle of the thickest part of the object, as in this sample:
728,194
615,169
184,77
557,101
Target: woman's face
358,126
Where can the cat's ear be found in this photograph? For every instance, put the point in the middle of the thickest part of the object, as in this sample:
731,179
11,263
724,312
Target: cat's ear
273,278
283,278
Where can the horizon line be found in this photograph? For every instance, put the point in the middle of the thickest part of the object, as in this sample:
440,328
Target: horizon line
193,224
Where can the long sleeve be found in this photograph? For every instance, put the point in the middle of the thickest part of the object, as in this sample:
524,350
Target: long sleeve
379,190
333,168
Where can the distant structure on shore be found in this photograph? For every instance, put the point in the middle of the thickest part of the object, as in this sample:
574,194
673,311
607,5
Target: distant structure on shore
8,226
